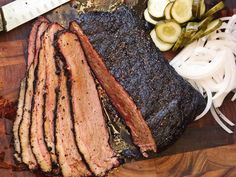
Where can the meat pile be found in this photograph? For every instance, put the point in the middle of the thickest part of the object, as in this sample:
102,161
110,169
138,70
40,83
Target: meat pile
83,111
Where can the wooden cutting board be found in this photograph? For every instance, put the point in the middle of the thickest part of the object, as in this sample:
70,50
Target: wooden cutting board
204,149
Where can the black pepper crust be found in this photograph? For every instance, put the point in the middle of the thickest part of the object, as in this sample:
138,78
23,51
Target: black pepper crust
168,103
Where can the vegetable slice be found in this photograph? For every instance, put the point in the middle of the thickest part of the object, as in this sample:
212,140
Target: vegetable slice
214,9
181,10
196,36
163,46
203,24
212,26
156,8
168,31
148,18
180,41
195,8
167,11
202,9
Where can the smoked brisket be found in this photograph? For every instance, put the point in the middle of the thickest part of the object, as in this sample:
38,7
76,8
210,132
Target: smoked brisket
17,121
51,86
24,129
69,158
141,133
37,112
32,40
89,123
20,107
166,101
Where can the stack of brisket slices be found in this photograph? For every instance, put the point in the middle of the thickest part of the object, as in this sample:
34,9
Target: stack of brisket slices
60,121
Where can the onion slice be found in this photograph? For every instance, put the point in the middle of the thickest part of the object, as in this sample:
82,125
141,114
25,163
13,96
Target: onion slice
209,65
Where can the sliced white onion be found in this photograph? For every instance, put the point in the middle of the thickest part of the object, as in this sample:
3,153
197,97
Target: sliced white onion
209,102
209,66
221,115
216,117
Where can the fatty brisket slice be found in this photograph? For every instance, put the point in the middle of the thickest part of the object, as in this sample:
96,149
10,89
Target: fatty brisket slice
50,87
166,101
141,133
69,158
90,128
24,129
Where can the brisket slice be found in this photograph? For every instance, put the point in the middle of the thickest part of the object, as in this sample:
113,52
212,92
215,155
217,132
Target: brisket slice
32,40
141,133
17,121
167,102
69,158
24,132
51,85
90,128
38,104
120,137
26,151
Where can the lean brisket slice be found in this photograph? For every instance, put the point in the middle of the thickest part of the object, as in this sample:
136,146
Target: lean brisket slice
90,128
51,86
69,158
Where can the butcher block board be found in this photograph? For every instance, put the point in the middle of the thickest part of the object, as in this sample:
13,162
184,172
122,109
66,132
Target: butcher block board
204,149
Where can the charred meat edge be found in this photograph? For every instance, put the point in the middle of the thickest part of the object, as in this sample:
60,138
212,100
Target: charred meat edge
90,128
51,85
140,131
17,121
69,158
37,113
24,130
21,99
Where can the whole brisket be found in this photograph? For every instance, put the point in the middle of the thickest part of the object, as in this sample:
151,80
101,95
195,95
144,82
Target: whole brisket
167,102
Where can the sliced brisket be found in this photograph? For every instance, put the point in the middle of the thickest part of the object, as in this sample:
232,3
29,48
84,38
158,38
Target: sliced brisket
51,85
21,99
32,40
141,133
38,104
17,121
26,151
24,132
90,128
167,102
69,158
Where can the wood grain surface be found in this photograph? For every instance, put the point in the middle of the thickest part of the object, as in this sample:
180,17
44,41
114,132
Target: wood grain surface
204,149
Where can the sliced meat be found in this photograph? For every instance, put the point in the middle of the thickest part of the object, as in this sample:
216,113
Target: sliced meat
32,38
167,102
26,151
69,157
27,156
90,128
30,57
36,130
141,133
51,85
17,121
